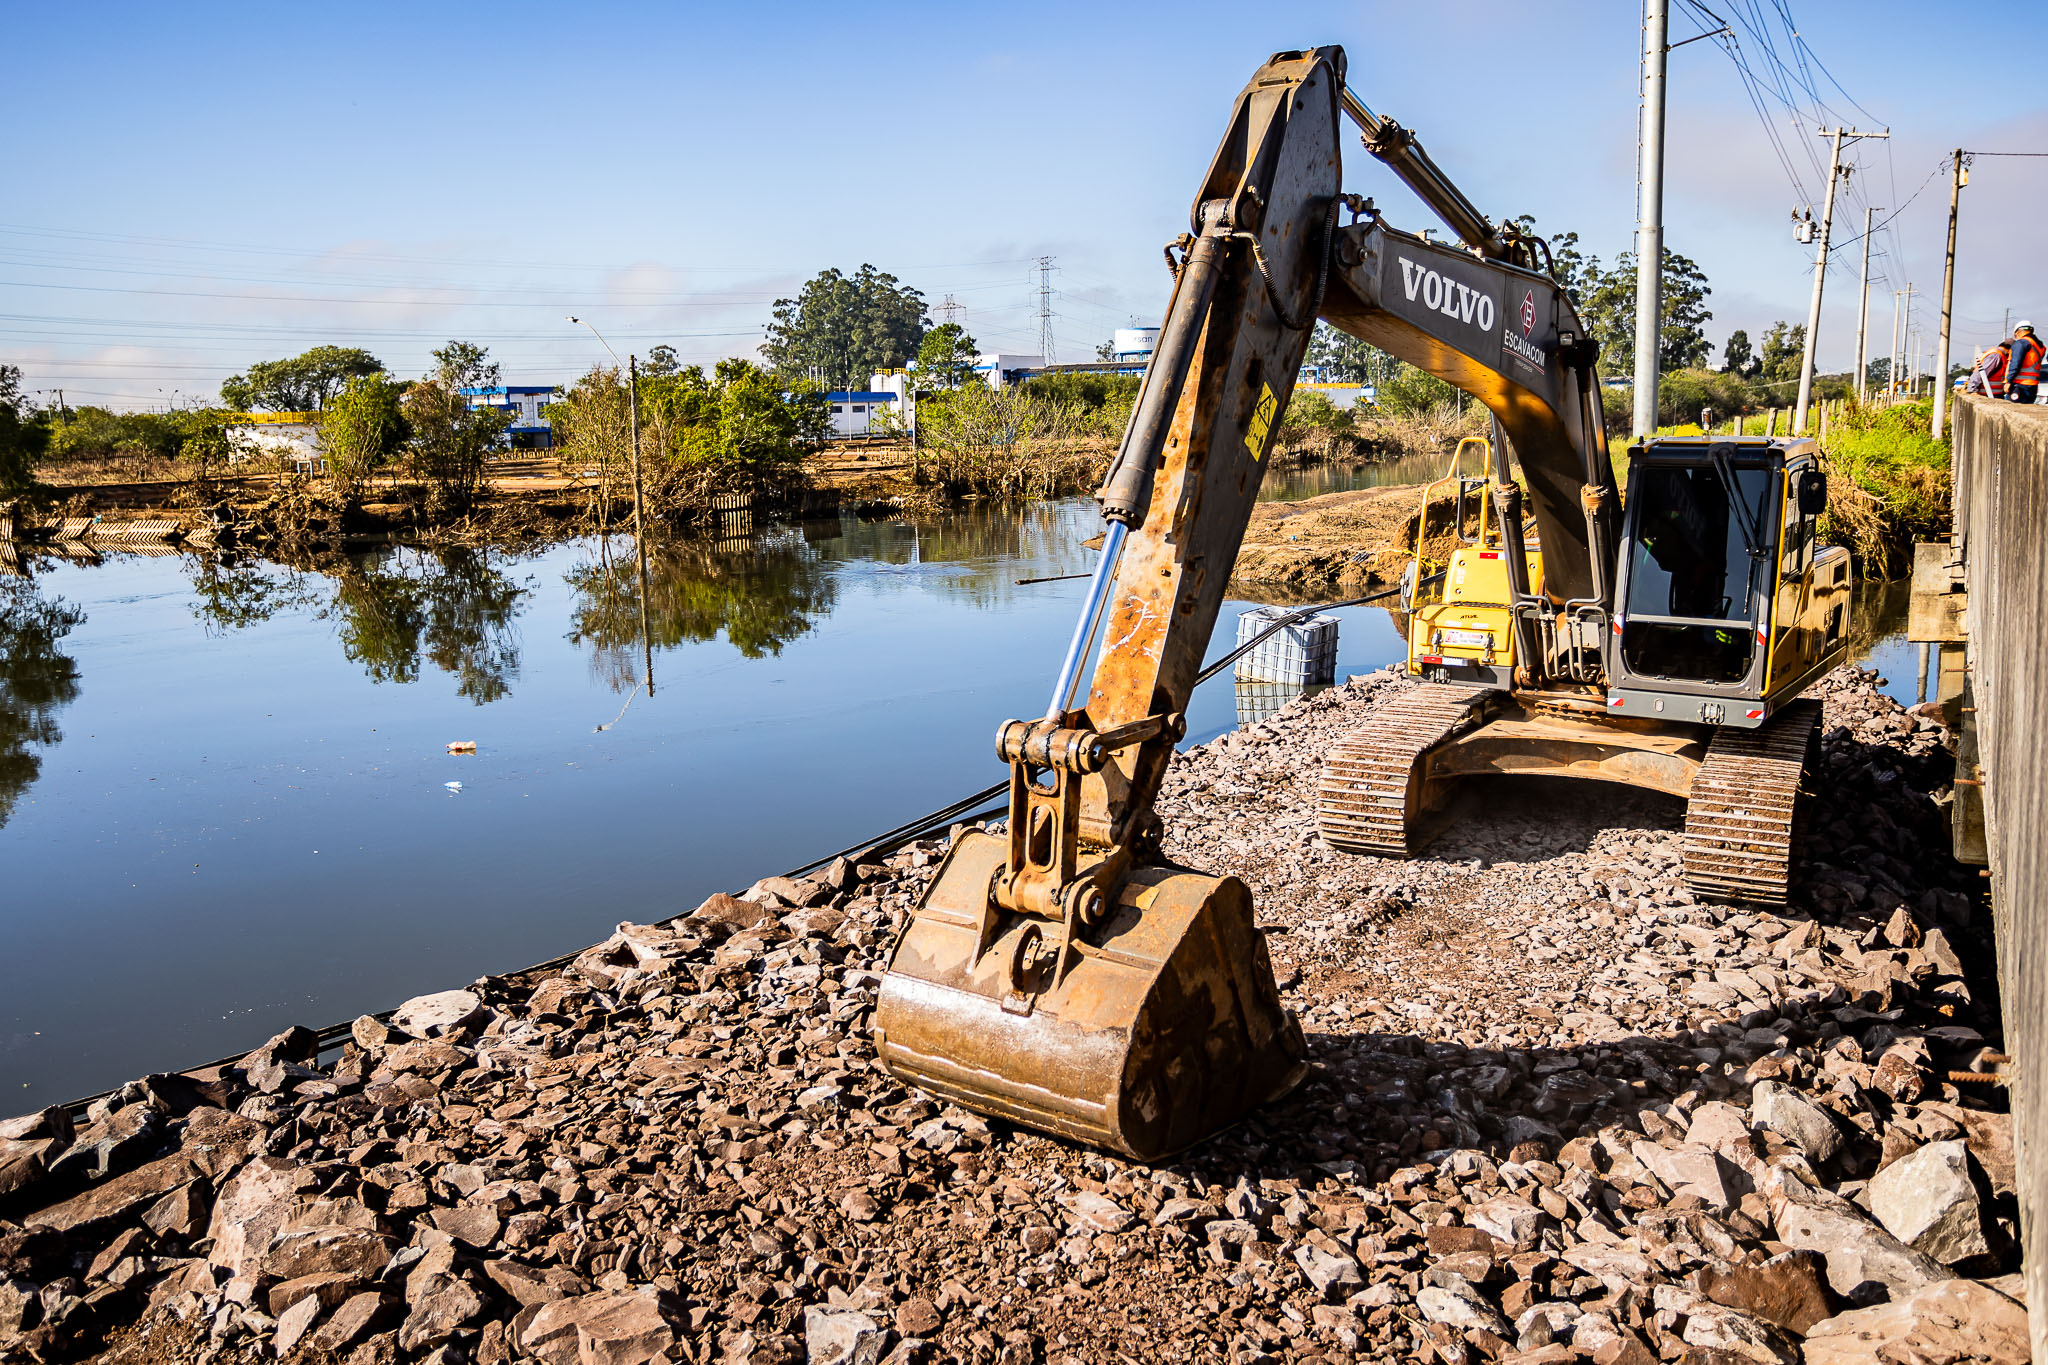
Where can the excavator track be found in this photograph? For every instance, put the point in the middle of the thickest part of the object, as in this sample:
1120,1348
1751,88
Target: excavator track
1370,796
1744,817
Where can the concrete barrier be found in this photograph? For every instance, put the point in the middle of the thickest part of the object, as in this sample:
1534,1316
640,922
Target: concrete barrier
2001,516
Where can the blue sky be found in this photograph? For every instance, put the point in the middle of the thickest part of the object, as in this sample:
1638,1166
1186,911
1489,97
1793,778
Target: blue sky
199,188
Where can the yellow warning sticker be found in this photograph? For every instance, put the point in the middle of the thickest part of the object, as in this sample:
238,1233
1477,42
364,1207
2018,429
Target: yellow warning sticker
1262,423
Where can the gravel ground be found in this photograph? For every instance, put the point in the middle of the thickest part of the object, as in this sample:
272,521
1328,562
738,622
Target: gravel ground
1560,1111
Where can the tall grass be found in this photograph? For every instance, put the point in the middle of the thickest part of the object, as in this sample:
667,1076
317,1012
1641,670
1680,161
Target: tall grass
1888,485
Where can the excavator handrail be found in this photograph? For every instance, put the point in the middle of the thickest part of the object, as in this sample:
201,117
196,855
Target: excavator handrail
1453,473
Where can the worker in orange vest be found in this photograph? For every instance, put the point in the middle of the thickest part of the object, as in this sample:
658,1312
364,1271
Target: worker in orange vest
2023,353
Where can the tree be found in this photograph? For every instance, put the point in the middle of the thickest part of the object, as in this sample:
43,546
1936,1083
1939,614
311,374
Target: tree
1736,356
1878,373
1573,269
303,383
1609,311
741,418
1343,357
449,442
359,430
465,365
1784,351
24,436
841,328
946,357
1409,392
661,362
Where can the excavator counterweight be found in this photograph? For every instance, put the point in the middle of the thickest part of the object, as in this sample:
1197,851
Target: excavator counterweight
1062,975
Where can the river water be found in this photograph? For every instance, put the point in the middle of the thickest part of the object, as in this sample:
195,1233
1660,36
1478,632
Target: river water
225,800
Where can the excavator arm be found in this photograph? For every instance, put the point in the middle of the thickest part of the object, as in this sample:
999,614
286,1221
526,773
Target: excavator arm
1061,975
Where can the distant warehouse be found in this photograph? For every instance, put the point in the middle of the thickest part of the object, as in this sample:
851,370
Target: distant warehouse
529,430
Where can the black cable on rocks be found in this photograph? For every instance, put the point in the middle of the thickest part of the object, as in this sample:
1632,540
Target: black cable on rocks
881,846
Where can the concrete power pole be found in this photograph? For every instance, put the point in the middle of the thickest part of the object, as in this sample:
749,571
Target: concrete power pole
1839,135
1902,309
1863,313
1650,217
1959,178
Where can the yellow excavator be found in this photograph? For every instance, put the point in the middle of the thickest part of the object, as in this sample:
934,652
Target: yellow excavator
1063,975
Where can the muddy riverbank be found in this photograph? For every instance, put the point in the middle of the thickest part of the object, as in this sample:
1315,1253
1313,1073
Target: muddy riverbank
1561,1111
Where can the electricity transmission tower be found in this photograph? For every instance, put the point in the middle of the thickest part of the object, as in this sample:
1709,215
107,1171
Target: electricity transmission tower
1045,355
949,308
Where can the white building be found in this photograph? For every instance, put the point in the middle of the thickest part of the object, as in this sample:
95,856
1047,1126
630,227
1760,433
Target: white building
1342,394
855,412
1002,368
294,436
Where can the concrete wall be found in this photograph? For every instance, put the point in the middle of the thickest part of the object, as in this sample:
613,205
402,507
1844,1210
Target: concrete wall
2001,511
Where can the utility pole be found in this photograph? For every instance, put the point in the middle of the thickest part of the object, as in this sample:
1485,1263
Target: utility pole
1959,178
1045,356
1820,271
1650,216
1863,312
1902,314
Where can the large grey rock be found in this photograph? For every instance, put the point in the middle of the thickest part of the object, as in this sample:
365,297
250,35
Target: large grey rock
841,1336
1928,1201
1327,1270
1796,1119
1863,1259
1950,1320
1694,1170
438,1015
1457,1304
1738,1334
1511,1218
623,1327
1541,1324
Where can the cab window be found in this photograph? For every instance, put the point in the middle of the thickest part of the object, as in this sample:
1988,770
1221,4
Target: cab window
1692,559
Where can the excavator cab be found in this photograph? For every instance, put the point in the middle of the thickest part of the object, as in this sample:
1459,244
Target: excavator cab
1727,605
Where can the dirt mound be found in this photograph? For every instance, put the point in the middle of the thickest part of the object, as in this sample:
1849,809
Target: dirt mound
1338,542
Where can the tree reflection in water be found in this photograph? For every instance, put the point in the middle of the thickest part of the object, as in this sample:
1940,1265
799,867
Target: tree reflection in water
36,682
392,608
761,598
451,606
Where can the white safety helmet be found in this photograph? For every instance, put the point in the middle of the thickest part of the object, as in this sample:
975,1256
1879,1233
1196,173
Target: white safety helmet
2023,326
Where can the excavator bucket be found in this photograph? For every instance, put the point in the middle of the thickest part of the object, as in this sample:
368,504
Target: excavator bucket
1161,1026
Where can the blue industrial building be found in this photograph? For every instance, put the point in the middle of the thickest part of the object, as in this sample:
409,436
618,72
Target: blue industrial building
529,429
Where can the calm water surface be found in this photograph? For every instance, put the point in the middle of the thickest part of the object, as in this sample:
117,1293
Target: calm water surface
223,790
